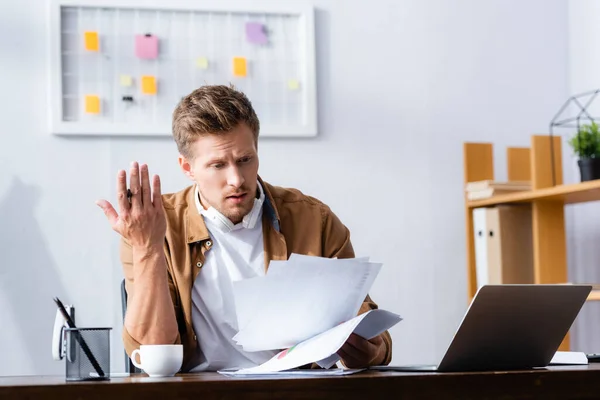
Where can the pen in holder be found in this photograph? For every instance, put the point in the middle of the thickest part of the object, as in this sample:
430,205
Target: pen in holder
87,349
87,354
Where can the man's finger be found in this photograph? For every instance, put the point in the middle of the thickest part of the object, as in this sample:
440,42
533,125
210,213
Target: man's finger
156,194
348,359
134,185
359,343
377,340
353,352
109,211
146,193
122,192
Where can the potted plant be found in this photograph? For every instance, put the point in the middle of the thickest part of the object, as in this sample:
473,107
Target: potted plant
586,144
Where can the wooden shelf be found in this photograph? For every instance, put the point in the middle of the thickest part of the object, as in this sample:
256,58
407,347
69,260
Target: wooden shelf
567,194
594,295
541,164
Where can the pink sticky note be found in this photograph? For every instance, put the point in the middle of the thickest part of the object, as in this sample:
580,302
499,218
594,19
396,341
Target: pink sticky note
146,46
256,33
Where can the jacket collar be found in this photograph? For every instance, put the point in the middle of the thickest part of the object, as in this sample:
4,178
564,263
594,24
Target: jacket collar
269,205
195,228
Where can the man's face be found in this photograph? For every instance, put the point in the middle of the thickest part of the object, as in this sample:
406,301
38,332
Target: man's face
225,168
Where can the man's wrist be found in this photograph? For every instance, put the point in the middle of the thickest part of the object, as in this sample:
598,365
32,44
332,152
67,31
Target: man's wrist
145,253
149,261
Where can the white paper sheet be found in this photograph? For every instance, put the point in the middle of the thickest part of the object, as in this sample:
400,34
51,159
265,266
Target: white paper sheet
296,372
299,299
250,296
324,346
569,358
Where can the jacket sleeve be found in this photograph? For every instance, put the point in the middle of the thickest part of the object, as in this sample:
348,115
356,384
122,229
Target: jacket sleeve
336,243
126,255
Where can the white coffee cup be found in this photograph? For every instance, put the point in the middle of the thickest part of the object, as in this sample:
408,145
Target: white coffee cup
159,359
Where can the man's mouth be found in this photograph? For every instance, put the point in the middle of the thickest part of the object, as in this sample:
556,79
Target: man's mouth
237,198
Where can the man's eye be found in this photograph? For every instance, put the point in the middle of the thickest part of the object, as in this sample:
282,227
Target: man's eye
218,166
245,159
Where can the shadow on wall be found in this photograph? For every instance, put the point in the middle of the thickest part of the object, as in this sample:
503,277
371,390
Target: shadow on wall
28,282
583,255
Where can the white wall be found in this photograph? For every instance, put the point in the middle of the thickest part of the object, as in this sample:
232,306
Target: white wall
582,219
402,84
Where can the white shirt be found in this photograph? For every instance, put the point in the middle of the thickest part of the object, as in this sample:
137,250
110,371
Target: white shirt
235,254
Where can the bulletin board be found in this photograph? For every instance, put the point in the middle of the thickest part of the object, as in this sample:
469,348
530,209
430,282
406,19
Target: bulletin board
120,68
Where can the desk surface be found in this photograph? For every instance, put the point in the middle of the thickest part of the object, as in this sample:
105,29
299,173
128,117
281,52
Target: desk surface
581,382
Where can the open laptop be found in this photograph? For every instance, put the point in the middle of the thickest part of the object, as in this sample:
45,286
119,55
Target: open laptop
509,327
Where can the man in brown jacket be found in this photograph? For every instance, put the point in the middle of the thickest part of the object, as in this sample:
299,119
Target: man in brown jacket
181,252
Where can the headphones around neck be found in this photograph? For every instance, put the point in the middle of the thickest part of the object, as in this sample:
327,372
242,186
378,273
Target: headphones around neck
223,223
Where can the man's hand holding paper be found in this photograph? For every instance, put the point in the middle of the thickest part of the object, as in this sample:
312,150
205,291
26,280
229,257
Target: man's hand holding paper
359,352
312,303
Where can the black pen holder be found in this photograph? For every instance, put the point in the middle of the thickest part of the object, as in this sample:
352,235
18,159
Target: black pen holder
87,354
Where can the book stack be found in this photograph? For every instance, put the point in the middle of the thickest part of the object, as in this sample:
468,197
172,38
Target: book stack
488,188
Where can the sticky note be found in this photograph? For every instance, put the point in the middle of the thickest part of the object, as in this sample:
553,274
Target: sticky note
256,33
146,46
148,84
91,41
202,62
239,66
126,80
293,84
92,104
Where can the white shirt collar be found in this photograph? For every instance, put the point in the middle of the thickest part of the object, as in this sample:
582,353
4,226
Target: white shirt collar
215,218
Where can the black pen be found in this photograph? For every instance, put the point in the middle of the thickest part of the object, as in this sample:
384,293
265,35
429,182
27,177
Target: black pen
79,338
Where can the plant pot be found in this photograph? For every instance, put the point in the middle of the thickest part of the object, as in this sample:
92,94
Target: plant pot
589,168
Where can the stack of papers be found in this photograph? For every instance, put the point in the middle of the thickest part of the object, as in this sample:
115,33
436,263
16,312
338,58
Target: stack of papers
296,372
323,348
569,358
308,307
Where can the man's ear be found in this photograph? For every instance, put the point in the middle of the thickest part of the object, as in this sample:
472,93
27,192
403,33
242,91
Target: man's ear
186,167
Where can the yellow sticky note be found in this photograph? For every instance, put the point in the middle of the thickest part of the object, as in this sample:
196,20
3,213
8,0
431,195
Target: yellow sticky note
148,84
91,41
239,66
202,62
126,80
92,104
293,84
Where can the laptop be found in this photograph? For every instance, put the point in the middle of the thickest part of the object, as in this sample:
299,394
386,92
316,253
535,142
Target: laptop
508,327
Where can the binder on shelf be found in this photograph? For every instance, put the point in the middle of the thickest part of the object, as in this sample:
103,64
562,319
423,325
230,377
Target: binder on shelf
503,244
481,257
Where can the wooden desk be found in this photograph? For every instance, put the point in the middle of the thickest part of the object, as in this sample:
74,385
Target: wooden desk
572,382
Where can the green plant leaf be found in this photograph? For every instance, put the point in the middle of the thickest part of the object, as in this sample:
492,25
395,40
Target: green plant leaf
586,143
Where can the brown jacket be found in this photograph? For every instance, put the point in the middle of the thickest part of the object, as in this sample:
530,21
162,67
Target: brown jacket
292,223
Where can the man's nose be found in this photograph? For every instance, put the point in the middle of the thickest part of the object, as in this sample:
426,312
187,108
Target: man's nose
235,177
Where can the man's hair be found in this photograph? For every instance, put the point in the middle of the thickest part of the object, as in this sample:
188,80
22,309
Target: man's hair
211,109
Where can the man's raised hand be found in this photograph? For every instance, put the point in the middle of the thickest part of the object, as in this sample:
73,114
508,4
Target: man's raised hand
141,218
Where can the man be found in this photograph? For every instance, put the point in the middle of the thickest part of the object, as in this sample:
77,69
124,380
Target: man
181,252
